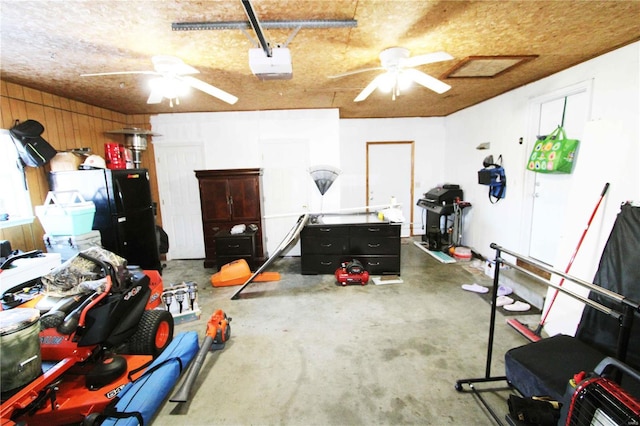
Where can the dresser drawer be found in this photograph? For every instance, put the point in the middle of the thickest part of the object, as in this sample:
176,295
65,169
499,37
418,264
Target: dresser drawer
226,246
235,244
380,265
319,231
320,264
325,245
374,245
382,230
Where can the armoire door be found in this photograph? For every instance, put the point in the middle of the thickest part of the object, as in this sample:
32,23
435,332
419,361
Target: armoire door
244,198
214,194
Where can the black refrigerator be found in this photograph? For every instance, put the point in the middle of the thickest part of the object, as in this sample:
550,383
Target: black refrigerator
124,210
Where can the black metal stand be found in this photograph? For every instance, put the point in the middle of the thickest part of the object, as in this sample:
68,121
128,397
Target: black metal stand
624,318
492,324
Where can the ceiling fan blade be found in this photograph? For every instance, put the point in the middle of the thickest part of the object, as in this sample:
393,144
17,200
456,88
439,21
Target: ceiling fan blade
369,89
429,58
427,81
155,97
344,74
209,89
184,69
165,64
118,73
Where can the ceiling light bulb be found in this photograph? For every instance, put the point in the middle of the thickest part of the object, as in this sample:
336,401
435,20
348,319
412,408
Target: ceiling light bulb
170,88
155,83
387,82
404,81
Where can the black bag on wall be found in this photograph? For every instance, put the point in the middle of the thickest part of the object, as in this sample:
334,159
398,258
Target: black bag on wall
33,150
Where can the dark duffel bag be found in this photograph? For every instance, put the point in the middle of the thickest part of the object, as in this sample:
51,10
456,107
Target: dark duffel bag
33,150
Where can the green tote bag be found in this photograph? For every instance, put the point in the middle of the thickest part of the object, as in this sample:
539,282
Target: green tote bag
554,154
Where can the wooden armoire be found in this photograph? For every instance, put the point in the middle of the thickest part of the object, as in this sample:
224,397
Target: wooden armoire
228,198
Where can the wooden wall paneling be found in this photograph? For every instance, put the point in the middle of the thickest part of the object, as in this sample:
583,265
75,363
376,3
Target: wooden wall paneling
50,124
89,129
97,129
55,102
35,112
68,124
65,104
19,236
79,107
83,132
54,114
15,91
102,125
74,129
4,118
32,96
47,99
17,109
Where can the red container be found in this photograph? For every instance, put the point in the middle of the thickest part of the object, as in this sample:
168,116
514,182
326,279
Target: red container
127,157
113,156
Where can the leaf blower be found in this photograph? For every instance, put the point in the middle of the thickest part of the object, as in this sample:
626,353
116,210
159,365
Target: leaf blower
218,332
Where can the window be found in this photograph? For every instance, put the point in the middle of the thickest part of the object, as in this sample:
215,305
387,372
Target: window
15,204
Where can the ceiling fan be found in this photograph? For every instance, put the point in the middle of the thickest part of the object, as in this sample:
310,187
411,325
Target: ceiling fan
173,80
400,72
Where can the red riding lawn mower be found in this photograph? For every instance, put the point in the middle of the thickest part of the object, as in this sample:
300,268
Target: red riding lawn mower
62,365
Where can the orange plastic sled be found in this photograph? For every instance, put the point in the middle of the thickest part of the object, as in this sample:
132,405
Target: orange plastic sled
238,272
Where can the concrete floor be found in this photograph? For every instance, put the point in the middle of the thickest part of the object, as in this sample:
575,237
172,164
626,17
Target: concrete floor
306,351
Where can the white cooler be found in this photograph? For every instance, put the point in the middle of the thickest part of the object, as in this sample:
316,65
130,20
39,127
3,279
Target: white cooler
69,245
27,269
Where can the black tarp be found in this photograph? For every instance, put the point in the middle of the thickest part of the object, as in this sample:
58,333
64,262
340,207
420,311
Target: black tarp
618,271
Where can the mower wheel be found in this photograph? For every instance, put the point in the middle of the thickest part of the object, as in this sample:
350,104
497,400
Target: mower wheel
154,333
91,420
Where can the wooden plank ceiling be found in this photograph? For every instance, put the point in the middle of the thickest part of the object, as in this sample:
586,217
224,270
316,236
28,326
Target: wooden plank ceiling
46,45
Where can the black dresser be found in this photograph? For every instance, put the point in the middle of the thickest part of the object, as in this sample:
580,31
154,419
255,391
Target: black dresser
328,240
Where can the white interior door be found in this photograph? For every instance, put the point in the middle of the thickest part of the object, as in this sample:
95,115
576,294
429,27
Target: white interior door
286,188
390,174
180,199
551,190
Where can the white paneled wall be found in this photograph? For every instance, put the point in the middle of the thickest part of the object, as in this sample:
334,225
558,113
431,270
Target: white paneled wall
430,144
610,150
233,140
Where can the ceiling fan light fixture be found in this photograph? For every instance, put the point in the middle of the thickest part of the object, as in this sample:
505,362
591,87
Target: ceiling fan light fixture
170,88
400,73
404,81
387,82
395,82
173,81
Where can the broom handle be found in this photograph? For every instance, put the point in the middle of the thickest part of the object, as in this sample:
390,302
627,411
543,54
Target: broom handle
566,271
